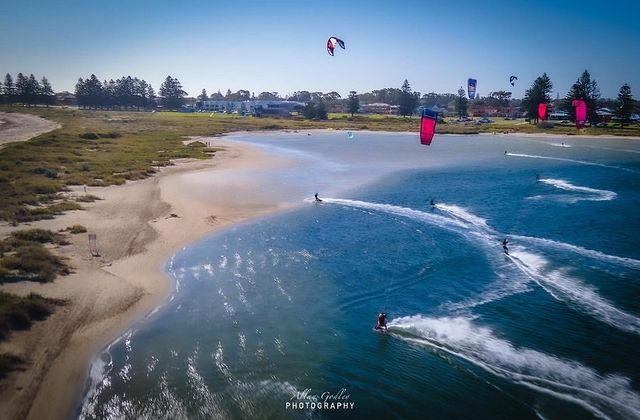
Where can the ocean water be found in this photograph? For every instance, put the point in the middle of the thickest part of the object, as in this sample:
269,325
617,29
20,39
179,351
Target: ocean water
279,311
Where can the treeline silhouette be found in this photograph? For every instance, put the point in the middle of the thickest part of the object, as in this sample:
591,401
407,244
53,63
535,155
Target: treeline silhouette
124,93
26,90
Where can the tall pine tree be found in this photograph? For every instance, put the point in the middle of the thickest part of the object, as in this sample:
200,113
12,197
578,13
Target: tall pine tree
353,102
171,93
47,96
408,100
462,103
538,93
586,89
9,89
624,107
33,90
22,88
203,95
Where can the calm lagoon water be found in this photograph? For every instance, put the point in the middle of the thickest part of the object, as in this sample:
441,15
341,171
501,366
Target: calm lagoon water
280,310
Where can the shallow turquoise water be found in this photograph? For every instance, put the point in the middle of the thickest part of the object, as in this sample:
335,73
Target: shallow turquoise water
267,309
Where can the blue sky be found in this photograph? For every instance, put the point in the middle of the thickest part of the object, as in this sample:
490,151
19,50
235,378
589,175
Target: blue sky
280,45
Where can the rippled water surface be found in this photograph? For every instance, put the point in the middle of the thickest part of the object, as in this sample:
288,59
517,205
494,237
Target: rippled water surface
268,309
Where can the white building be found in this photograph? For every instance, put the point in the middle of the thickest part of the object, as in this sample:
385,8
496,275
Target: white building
256,108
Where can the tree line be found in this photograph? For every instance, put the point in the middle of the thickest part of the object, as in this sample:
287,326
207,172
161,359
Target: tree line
130,92
26,90
584,88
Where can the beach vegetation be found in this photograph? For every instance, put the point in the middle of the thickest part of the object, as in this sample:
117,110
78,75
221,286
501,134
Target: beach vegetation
8,363
87,198
19,313
23,256
42,236
76,229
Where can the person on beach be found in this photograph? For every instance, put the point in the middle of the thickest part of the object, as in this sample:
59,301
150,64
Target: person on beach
504,246
382,321
317,199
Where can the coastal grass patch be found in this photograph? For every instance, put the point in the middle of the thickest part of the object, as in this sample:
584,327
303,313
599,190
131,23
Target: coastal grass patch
23,256
8,363
19,313
41,236
76,229
31,262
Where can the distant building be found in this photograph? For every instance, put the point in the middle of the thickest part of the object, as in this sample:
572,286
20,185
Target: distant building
376,108
441,110
605,114
257,108
66,98
559,115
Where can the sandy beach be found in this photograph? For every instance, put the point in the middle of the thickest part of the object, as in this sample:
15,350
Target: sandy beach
138,226
22,127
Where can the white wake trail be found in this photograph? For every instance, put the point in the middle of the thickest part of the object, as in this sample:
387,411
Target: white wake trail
559,285
585,252
588,194
582,162
603,395
566,288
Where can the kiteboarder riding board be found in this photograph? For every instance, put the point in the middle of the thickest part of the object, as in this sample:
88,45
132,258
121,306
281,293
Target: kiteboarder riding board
317,199
381,323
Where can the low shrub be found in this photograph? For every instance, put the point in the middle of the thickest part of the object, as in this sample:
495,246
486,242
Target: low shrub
88,136
34,262
9,363
89,198
545,125
42,236
75,229
49,173
112,135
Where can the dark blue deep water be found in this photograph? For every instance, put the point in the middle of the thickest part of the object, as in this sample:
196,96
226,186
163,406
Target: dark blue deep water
268,309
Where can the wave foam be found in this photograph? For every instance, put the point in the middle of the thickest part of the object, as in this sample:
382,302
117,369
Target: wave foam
602,395
582,162
590,194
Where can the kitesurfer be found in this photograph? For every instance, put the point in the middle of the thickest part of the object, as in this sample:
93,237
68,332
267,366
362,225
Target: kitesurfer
504,246
382,321
537,177
317,199
505,152
433,203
